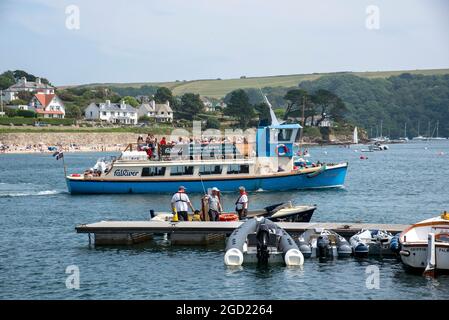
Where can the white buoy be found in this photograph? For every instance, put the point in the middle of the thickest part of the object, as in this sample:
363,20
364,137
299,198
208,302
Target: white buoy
233,257
294,257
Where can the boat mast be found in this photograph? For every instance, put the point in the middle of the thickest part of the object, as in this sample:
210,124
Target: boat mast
428,130
381,122
418,127
438,122
1,101
405,130
303,122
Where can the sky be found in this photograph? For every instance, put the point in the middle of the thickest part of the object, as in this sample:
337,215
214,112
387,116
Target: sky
167,40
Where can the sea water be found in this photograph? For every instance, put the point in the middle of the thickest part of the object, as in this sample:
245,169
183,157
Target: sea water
38,242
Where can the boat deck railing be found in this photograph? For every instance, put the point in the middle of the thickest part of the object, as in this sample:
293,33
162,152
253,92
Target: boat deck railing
194,151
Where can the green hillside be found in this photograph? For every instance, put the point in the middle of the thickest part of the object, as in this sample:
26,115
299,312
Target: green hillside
215,88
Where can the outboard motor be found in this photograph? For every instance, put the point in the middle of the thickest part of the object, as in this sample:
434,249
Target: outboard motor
263,235
395,245
323,246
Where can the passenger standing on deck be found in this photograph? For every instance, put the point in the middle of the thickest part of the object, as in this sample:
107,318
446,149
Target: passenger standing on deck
214,205
181,203
241,205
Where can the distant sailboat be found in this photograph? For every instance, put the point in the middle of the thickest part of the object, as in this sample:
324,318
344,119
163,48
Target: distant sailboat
437,136
419,137
355,136
405,138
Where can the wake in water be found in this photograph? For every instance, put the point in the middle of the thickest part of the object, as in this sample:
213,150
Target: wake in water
24,190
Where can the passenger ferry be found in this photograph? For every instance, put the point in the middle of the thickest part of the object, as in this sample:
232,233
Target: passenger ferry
267,166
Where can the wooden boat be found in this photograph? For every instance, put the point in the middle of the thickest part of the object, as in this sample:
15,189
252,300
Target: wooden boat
425,245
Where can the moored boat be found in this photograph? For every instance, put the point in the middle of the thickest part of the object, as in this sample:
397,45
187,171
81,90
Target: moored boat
323,243
367,242
265,165
285,212
261,240
425,245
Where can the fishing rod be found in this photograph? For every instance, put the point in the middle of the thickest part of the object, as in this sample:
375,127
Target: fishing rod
202,183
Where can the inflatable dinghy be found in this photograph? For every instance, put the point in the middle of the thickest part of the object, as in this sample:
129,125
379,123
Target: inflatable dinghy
367,242
323,243
261,240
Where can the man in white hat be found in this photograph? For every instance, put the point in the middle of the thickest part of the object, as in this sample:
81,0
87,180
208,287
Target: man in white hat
241,205
181,202
214,204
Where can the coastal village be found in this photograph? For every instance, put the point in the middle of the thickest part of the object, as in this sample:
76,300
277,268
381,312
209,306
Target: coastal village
34,103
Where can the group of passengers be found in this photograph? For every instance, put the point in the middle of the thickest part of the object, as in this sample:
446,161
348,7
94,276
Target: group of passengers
180,204
153,147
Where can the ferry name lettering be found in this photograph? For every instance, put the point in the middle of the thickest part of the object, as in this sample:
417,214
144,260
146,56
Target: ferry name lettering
125,173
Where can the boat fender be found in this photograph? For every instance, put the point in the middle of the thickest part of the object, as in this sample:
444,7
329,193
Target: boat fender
228,217
404,253
233,257
294,257
282,150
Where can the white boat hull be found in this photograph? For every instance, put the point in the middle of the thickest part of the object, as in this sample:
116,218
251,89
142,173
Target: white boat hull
415,256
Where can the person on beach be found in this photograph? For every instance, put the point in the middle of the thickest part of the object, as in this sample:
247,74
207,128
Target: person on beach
180,204
163,142
149,141
214,204
241,205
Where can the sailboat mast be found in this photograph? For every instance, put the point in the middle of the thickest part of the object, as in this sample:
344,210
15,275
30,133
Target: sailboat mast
381,122
405,130
428,130
438,122
418,127
303,123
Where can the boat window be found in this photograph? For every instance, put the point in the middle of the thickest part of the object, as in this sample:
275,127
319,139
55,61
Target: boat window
285,134
153,171
238,168
181,170
210,169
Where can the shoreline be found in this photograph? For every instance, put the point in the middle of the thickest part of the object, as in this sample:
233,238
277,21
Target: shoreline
17,149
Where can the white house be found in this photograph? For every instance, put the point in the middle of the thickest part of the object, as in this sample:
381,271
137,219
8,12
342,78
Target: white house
21,107
23,85
161,112
111,112
47,106
208,105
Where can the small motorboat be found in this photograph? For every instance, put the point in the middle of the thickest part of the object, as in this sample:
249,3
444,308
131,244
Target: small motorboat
366,242
425,245
261,240
285,211
323,243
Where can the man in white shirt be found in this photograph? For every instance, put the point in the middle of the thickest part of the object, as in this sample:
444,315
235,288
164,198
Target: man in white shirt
241,205
180,203
214,205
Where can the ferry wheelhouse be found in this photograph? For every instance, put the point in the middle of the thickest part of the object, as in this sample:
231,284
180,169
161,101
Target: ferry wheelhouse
267,165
